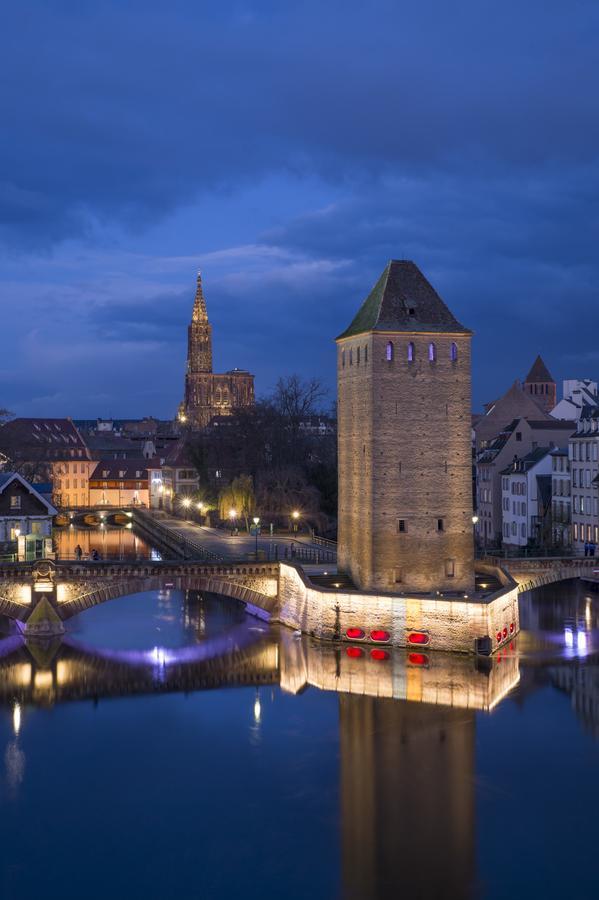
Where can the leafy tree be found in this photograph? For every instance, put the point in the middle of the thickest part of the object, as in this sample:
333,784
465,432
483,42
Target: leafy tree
239,495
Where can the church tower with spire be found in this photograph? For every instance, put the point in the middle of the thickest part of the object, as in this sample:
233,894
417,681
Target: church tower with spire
208,395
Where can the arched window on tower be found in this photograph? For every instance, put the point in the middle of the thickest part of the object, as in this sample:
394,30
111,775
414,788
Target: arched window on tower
411,351
432,352
343,358
453,353
351,357
357,356
389,351
366,354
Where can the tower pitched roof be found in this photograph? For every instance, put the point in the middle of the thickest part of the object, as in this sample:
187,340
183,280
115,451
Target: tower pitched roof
538,373
200,313
403,300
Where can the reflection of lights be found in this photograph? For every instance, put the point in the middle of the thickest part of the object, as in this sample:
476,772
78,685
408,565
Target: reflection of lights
581,641
159,656
43,680
568,637
16,718
257,709
587,612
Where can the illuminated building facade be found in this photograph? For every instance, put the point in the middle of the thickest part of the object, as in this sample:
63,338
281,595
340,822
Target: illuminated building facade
404,426
206,394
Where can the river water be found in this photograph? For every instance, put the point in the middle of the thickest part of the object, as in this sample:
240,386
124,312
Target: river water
171,746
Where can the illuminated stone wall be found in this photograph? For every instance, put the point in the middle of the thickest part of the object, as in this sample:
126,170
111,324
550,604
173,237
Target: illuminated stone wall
452,624
405,453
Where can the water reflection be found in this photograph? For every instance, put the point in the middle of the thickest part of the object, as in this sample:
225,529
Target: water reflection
111,543
402,769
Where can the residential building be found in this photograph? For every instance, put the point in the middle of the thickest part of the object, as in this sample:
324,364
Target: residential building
515,441
514,404
179,477
526,499
207,394
25,518
561,498
577,395
404,440
584,464
540,384
50,449
122,482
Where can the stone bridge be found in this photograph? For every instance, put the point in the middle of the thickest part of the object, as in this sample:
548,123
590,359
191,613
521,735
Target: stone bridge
535,572
42,595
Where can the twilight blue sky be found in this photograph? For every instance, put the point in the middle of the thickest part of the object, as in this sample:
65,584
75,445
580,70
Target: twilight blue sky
289,150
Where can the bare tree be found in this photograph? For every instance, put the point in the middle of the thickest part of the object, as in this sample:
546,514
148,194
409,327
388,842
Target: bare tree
295,399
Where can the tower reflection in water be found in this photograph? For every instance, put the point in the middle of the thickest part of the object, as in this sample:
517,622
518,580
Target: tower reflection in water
406,735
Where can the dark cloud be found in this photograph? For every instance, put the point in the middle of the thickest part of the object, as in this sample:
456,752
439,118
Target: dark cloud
120,112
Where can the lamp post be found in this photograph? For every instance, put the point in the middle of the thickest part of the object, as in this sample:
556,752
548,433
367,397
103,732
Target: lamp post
201,510
186,503
256,521
295,516
232,517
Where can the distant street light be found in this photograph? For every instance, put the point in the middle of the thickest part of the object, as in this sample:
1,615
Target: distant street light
295,516
232,517
256,521
474,520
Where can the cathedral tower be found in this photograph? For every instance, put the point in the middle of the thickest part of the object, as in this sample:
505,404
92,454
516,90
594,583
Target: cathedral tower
404,425
208,395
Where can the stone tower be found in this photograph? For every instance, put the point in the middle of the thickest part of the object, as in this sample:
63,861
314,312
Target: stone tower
404,424
540,385
206,394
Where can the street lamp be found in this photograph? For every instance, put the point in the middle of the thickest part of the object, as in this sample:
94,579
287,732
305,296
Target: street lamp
295,516
186,503
232,517
256,521
474,520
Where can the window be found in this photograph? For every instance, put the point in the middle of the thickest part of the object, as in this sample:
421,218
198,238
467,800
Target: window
411,349
575,531
449,568
15,502
401,525
523,530
453,352
343,359
575,452
351,356
365,355
389,351
518,435
396,578
432,352
440,525
357,356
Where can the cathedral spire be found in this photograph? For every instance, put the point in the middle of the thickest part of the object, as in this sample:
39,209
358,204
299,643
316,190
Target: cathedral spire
200,313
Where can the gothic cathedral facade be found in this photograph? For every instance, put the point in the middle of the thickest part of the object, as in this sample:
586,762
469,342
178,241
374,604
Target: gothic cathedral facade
208,395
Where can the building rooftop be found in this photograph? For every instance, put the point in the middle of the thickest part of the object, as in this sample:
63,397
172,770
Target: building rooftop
538,373
525,463
403,300
120,470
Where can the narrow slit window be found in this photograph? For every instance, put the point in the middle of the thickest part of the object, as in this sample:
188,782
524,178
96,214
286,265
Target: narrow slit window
389,352
357,356
450,568
343,359
401,526
365,355
453,353
432,352
440,525
411,350
351,356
